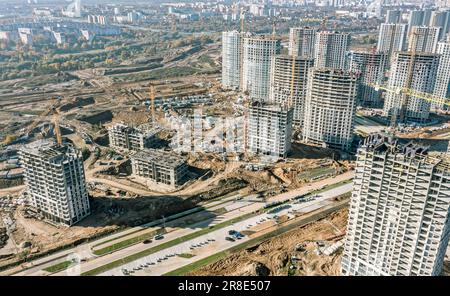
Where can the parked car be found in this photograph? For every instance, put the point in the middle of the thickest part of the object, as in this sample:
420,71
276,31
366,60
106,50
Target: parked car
230,239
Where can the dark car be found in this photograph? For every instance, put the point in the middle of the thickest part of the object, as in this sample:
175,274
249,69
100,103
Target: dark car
230,239
232,232
147,241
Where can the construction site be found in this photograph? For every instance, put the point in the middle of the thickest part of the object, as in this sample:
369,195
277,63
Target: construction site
118,198
141,149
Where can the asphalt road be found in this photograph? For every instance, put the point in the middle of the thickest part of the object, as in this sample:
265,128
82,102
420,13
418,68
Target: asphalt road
84,251
215,242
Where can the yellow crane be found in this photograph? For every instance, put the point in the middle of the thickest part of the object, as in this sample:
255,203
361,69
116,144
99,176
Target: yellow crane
405,95
413,93
152,101
291,97
53,105
242,17
52,109
57,129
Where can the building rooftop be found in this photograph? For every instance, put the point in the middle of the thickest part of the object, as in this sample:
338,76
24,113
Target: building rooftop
272,106
143,129
48,149
420,152
162,157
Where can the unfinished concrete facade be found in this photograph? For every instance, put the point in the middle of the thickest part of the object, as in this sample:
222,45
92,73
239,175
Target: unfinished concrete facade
269,129
392,38
330,49
442,86
423,69
160,166
371,67
257,60
288,83
399,211
423,39
127,138
393,16
330,108
55,181
302,41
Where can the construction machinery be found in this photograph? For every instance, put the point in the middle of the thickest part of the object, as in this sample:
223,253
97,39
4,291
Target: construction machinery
55,102
57,128
51,109
242,19
399,116
246,119
413,93
152,101
323,24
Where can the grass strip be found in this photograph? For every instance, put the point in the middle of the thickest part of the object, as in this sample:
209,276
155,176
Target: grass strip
128,242
58,267
253,242
154,223
163,246
186,255
171,243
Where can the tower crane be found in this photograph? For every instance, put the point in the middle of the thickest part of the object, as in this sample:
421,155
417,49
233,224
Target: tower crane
323,25
152,101
52,109
413,93
401,114
291,96
57,129
54,104
242,19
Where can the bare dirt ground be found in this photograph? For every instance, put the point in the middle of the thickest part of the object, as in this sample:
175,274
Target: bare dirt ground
274,256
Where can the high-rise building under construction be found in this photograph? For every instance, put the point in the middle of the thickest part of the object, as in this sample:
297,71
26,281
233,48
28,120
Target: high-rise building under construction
302,41
55,181
330,49
371,66
411,71
399,211
288,83
257,60
330,108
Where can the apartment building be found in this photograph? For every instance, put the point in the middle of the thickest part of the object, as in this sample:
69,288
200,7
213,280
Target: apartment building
420,17
330,108
392,38
423,39
160,167
302,41
269,129
393,16
441,19
257,61
416,72
330,49
442,86
232,47
288,83
55,181
372,67
127,138
399,211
